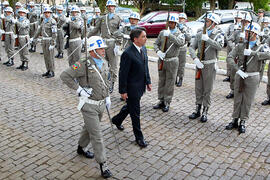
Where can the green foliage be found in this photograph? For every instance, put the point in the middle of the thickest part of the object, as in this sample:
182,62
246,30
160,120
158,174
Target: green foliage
102,5
260,4
134,9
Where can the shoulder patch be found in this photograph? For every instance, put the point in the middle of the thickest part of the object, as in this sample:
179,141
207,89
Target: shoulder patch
76,65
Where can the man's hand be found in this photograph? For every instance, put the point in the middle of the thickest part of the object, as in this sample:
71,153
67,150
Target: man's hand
124,96
198,63
149,87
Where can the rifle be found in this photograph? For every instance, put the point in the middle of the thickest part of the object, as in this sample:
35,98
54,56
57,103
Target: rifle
242,84
67,28
3,23
163,46
17,38
262,26
243,27
202,55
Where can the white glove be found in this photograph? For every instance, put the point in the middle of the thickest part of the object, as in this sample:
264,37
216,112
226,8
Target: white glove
161,55
51,47
247,52
166,32
84,91
235,27
198,63
116,50
2,31
108,102
261,33
242,74
55,16
31,40
126,36
242,35
205,37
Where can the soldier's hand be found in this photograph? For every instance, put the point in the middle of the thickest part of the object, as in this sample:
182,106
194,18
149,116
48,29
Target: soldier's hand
161,55
108,102
205,37
51,47
198,63
149,87
124,96
116,50
242,74
247,52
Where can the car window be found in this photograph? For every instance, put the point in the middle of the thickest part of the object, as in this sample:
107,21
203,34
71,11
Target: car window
146,17
160,18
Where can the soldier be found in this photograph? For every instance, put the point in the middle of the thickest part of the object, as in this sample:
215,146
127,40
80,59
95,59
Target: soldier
233,38
18,5
48,31
230,32
84,17
5,4
9,27
75,29
107,25
174,39
93,91
214,42
183,49
260,15
33,18
61,20
95,17
250,76
23,30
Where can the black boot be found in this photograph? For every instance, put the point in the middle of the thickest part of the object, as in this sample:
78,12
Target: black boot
197,112
166,108
105,172
111,88
51,74
159,105
242,128
5,63
86,154
204,114
10,63
20,67
57,56
61,55
266,102
25,66
32,49
230,95
227,79
179,83
45,74
233,124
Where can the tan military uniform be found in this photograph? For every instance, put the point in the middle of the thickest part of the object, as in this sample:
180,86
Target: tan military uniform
60,20
108,27
243,100
170,64
204,86
23,29
92,113
9,28
48,31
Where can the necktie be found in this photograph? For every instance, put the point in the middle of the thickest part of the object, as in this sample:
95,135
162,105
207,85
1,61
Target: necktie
141,52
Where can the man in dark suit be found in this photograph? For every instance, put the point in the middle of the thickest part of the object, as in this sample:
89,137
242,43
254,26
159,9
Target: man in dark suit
134,78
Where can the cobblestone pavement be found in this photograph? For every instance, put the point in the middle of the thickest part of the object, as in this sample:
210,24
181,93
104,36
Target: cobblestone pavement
40,127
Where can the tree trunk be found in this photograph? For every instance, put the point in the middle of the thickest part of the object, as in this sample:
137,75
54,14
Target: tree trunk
231,4
212,5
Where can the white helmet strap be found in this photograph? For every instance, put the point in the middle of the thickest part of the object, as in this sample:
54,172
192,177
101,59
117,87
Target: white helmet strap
98,54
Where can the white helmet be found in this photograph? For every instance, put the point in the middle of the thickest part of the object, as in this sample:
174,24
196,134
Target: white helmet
111,3
23,10
8,9
183,15
18,4
255,27
5,3
247,18
75,9
173,18
134,15
47,9
96,42
266,20
31,3
214,17
83,9
97,10
59,7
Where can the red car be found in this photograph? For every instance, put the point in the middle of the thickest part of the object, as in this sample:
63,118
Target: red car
155,21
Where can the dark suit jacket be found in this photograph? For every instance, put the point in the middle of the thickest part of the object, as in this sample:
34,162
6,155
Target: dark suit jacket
133,73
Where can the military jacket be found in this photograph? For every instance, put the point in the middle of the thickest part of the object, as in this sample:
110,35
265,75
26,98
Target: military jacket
32,16
9,24
259,53
173,44
47,30
23,26
187,32
78,71
75,27
60,20
212,45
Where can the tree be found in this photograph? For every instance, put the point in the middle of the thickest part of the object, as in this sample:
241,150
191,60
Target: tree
194,6
101,4
140,4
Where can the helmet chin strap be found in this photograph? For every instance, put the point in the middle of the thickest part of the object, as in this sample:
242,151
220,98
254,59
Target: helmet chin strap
98,55
210,26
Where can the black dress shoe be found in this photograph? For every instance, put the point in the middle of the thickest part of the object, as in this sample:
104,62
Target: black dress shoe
242,128
166,108
204,114
160,105
179,83
5,63
10,63
119,127
232,125
227,79
105,172
230,95
142,143
25,66
45,74
86,154
61,56
197,112
20,67
51,74
266,102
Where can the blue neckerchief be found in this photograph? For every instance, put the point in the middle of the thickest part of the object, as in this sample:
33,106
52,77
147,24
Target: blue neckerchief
181,26
31,9
111,15
58,13
252,44
21,18
133,26
173,30
99,62
8,17
209,32
72,18
47,19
